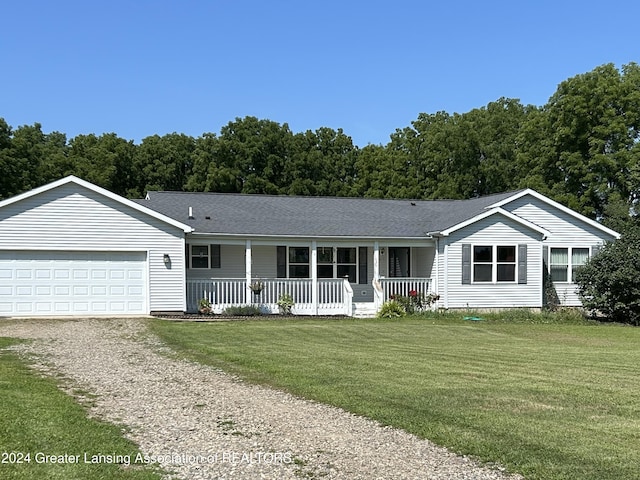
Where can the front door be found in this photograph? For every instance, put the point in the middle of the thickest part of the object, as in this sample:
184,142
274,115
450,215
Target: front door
399,262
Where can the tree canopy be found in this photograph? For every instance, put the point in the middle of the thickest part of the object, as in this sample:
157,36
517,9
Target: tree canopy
581,148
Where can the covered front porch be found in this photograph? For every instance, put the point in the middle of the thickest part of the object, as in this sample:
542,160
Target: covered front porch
322,278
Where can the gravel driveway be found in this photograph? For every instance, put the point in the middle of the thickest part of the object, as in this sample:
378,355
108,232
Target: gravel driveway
200,423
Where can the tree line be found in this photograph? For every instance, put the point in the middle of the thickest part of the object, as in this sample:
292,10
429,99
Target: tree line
581,149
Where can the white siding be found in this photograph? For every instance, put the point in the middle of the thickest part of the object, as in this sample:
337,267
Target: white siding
562,226
73,218
493,230
231,261
565,231
423,261
264,261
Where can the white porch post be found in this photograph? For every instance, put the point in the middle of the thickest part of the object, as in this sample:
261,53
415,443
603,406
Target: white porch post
314,276
446,276
376,261
434,278
247,265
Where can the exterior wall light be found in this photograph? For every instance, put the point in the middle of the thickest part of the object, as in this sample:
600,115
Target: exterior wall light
166,259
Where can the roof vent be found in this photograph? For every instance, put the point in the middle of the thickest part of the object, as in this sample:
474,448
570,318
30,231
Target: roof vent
191,217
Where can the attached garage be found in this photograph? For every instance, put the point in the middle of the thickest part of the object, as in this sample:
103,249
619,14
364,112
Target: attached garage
72,283
71,248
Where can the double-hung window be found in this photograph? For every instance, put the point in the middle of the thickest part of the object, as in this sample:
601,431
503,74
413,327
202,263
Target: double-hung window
494,263
204,256
325,262
298,262
565,261
338,262
347,263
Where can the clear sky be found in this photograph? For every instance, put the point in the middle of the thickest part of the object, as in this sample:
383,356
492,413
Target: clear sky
139,67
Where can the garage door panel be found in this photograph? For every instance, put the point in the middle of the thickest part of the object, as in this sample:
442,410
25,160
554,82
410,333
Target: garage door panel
116,290
23,291
61,274
68,283
80,290
24,274
80,274
60,290
99,290
61,308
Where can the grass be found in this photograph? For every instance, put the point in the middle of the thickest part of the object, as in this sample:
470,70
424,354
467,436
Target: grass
38,419
547,399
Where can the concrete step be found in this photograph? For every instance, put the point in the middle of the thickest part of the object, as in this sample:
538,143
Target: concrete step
364,310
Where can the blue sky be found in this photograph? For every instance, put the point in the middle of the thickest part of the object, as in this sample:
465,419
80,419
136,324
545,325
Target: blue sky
139,68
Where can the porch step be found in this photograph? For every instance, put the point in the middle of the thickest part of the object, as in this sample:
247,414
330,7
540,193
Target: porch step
364,309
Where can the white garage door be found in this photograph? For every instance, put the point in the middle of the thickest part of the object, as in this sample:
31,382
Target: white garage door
72,283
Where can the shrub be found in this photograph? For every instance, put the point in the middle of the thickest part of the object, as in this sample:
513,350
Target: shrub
609,283
416,301
204,306
392,309
286,303
243,310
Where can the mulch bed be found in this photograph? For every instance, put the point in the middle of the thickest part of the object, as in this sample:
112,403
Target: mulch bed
197,317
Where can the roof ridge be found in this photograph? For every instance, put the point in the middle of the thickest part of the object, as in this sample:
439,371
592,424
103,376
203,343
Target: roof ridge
334,197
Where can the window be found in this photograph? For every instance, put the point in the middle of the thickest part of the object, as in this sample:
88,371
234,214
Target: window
494,263
559,264
205,256
560,268
345,265
325,262
506,266
482,264
332,262
199,256
579,257
298,262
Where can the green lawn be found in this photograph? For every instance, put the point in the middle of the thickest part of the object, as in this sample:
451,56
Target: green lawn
41,425
550,401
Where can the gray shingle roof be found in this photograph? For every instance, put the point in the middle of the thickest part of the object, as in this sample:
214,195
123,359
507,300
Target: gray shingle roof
243,214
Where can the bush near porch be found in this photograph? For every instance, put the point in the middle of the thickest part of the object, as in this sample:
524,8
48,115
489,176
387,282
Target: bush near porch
546,398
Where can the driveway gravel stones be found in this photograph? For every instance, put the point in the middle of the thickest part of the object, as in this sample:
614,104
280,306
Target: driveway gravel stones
200,423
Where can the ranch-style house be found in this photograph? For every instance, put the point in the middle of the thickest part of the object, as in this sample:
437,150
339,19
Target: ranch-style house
73,248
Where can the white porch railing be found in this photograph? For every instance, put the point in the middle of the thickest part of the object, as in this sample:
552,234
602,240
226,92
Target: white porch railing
333,296
403,285
385,288
221,293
